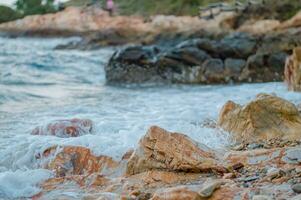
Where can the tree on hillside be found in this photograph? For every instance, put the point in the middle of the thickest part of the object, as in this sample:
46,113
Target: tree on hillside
33,7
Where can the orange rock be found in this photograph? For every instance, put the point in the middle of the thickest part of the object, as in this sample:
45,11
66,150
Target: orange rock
265,118
78,161
292,71
65,128
162,150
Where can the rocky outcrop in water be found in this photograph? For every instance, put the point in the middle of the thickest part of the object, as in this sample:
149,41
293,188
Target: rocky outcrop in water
167,165
235,58
65,128
293,70
265,118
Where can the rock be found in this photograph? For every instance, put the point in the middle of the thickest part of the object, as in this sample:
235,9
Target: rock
190,192
267,117
237,45
296,188
233,67
134,64
209,187
259,27
292,156
214,71
263,68
261,197
298,197
73,160
65,128
162,150
293,70
273,173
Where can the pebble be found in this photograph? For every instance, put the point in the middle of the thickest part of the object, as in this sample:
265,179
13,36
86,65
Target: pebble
273,173
208,188
297,188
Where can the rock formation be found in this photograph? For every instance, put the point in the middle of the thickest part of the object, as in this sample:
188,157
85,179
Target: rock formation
65,128
162,150
292,71
72,160
267,117
236,57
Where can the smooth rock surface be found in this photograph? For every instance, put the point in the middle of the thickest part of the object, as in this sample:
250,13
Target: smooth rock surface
267,117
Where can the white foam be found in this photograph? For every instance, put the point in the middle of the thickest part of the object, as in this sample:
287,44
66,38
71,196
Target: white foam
20,183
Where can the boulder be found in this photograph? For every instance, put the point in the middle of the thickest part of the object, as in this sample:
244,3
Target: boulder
133,64
233,68
162,150
214,71
65,128
73,160
292,71
264,68
267,117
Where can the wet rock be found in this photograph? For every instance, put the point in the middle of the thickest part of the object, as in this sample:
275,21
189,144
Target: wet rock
296,188
65,128
267,117
163,150
73,160
293,70
134,64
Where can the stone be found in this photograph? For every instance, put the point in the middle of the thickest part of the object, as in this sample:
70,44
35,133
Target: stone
292,71
162,150
209,187
260,26
292,156
273,173
65,128
72,160
133,64
190,192
296,188
261,197
233,67
265,118
214,70
298,197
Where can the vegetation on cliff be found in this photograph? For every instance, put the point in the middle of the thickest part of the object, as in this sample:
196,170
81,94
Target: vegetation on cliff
25,8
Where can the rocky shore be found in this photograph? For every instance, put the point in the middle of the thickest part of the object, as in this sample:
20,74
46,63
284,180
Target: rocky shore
261,163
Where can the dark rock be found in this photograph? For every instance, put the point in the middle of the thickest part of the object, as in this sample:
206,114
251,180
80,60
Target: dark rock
297,188
233,67
258,70
238,45
134,64
214,70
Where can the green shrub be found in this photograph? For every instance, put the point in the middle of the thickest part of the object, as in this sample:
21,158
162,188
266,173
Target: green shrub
8,14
